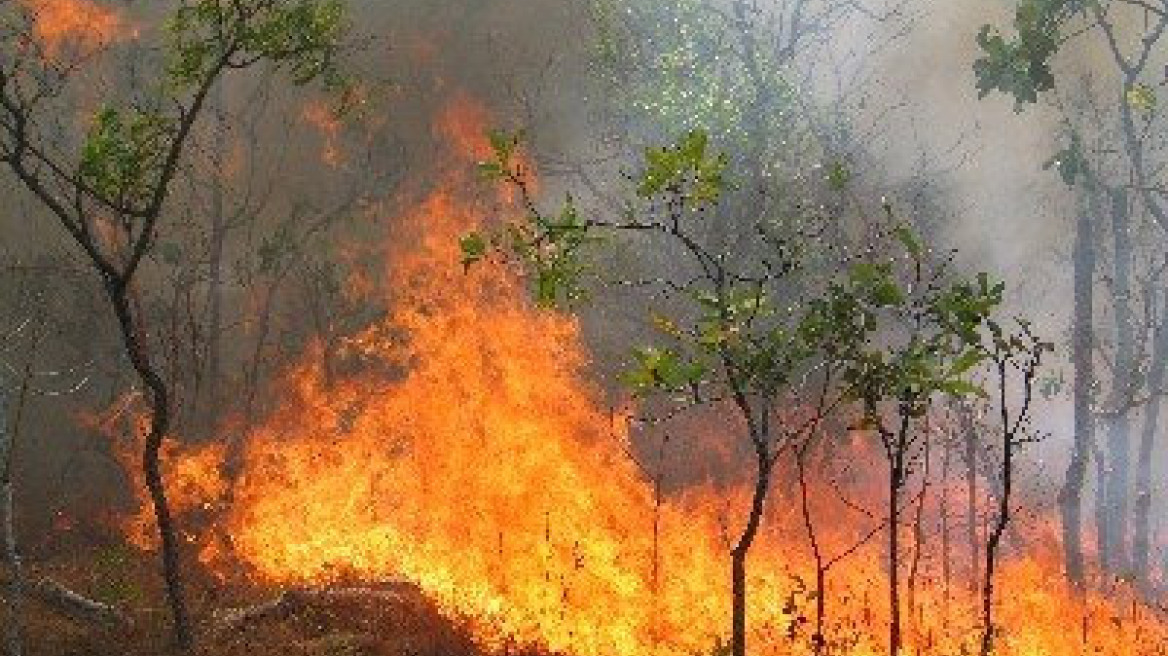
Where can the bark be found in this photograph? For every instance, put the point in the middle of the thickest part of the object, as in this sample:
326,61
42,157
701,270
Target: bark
969,436
919,534
742,548
897,445
14,598
1141,531
1117,485
1003,514
1070,498
215,263
894,634
946,542
819,638
159,425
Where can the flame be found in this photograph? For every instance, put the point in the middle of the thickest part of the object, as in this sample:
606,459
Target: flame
321,116
479,462
193,473
89,26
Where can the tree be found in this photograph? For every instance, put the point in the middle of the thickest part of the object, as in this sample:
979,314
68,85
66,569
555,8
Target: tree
731,342
110,194
907,332
887,334
1110,160
1014,358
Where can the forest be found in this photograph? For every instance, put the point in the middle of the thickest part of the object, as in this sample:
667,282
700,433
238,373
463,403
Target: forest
583,327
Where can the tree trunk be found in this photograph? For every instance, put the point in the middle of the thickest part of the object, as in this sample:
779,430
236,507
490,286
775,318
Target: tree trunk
1102,541
1119,427
946,543
819,638
1141,531
217,244
740,551
894,479
1070,498
896,448
1000,522
15,597
159,425
969,436
919,534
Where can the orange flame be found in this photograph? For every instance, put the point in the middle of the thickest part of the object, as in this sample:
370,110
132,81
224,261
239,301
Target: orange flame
86,24
321,116
480,463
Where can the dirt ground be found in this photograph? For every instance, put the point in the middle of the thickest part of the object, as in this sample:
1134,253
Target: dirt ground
345,621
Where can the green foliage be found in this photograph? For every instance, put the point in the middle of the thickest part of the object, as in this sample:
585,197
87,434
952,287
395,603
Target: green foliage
909,240
302,37
838,176
895,330
662,369
676,66
474,248
905,336
1141,97
1069,162
551,247
122,156
1021,67
685,168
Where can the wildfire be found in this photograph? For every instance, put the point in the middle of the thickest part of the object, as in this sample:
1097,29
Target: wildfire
84,23
488,471
321,116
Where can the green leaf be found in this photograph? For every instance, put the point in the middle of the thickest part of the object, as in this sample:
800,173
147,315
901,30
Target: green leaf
491,170
1069,162
665,324
962,389
1141,97
909,240
662,369
473,246
966,362
547,288
838,176
302,37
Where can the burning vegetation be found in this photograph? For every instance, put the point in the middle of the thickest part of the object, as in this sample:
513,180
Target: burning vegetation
372,412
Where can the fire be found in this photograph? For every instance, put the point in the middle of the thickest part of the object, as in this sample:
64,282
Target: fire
323,118
480,462
80,22
193,473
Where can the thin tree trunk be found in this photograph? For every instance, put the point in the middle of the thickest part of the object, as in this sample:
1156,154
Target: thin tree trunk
1000,522
896,446
15,597
1102,541
1157,373
215,263
970,438
819,638
919,534
1119,427
159,425
946,543
1070,498
740,551
894,634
